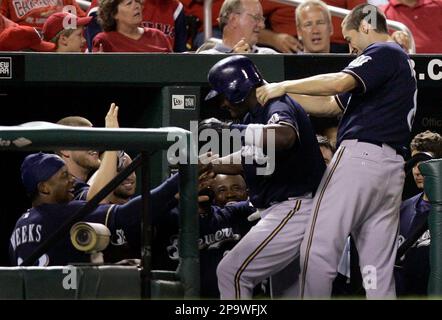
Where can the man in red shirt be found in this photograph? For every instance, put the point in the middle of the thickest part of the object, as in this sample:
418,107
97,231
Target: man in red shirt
280,29
423,18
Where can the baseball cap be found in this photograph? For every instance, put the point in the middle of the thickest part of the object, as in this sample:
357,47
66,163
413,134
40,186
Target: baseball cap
418,157
39,167
23,38
60,21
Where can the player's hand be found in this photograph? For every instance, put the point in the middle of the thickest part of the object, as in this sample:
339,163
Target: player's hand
212,123
286,43
205,165
402,39
269,91
111,119
242,47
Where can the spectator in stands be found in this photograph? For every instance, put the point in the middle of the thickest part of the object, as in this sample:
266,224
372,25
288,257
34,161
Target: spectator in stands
23,38
165,15
412,273
279,32
121,20
422,17
66,31
313,22
34,13
338,43
240,22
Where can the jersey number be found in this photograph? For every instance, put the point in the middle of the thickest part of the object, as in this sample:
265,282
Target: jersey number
412,113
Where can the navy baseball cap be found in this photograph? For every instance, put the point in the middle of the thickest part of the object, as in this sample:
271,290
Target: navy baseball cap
418,157
39,167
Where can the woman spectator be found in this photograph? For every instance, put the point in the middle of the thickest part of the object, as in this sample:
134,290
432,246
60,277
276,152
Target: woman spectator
121,20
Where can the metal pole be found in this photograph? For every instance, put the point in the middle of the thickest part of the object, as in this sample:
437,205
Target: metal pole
146,227
189,268
207,19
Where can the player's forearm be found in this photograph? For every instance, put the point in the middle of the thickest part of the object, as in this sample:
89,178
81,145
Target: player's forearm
281,137
319,106
105,173
327,84
230,164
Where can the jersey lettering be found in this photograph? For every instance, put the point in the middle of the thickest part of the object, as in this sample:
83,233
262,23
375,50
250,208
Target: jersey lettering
25,234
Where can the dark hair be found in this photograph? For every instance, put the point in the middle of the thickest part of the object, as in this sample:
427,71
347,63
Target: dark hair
324,142
364,12
108,9
427,141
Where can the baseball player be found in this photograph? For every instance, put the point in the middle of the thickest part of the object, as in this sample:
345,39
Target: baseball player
220,229
361,190
412,272
50,188
284,196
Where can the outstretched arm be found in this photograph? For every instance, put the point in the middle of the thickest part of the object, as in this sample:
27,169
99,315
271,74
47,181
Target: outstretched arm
319,106
108,167
321,85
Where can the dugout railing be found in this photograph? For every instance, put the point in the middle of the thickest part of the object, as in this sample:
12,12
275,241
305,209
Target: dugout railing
22,282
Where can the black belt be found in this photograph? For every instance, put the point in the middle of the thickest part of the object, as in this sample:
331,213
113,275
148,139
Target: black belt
379,144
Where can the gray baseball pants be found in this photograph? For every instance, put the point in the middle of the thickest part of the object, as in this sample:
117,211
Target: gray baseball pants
360,194
265,250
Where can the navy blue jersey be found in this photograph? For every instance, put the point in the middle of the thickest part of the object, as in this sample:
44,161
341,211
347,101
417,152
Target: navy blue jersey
298,170
382,107
38,223
219,231
412,274
81,189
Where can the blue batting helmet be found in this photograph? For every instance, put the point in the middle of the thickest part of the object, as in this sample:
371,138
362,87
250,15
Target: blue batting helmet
234,77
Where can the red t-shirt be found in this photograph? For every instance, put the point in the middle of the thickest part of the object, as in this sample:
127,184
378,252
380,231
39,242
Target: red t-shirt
424,21
337,30
152,40
280,17
195,8
161,15
35,12
5,23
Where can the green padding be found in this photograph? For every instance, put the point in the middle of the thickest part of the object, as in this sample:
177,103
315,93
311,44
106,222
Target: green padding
46,283
162,289
122,282
164,275
432,171
104,282
11,283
